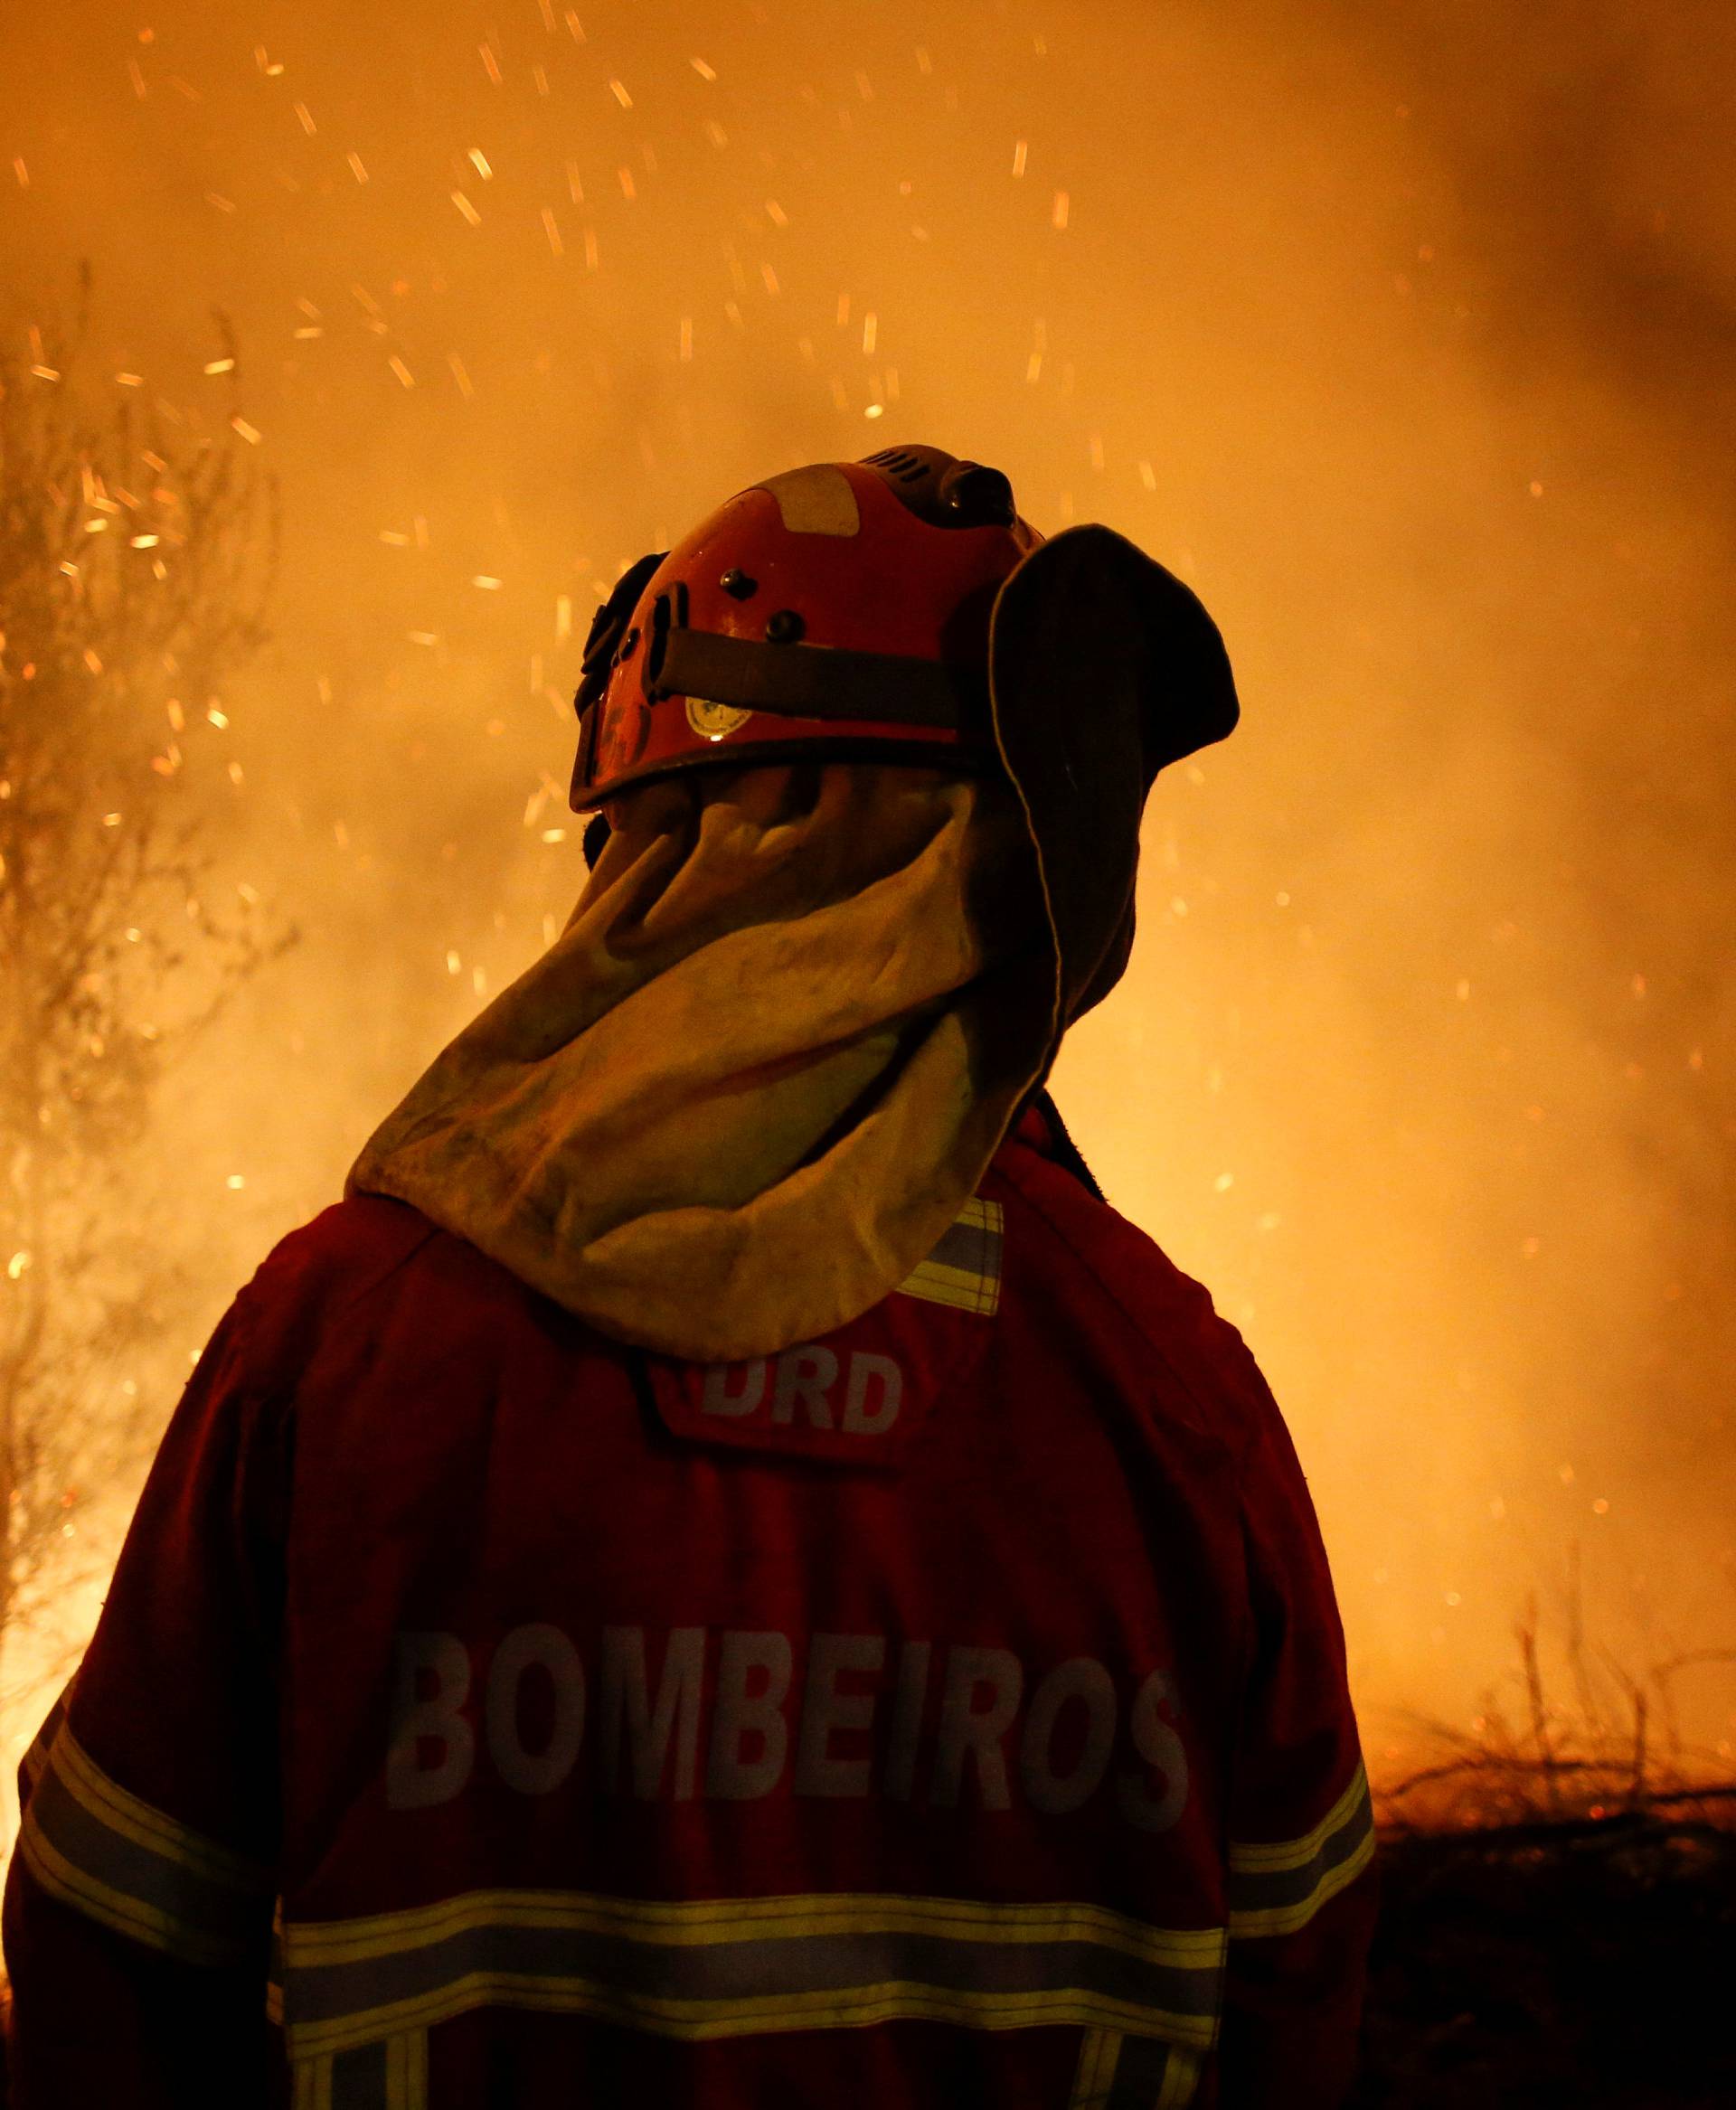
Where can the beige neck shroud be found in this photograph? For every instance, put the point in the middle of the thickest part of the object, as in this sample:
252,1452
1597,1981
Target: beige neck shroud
758,1074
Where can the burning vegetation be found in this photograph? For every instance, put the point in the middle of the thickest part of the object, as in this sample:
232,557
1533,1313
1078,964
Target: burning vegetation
135,555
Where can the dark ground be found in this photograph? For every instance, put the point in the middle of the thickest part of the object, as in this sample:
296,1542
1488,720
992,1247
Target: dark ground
1589,1964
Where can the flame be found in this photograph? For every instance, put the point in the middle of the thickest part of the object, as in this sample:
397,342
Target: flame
1402,344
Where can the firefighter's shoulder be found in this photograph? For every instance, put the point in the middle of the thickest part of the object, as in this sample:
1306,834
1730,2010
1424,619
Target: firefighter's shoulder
345,1252
1075,1253
374,1271
358,1260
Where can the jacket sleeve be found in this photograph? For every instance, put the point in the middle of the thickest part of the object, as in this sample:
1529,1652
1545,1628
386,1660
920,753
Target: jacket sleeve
1301,1845
138,1903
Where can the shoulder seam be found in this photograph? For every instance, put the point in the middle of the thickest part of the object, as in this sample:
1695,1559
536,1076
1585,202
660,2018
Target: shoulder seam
362,1291
345,1297
1238,1454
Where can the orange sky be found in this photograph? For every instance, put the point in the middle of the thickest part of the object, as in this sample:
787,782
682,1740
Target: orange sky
1404,334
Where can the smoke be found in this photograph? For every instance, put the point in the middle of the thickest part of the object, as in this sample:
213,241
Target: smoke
1404,334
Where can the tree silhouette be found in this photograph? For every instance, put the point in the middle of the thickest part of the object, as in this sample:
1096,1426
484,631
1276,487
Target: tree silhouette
137,545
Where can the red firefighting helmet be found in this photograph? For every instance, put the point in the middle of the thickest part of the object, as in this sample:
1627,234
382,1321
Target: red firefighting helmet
899,610
842,610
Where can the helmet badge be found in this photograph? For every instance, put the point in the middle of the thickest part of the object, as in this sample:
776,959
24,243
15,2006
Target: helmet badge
714,722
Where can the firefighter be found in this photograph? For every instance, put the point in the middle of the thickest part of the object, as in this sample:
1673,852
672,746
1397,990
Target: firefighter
723,1573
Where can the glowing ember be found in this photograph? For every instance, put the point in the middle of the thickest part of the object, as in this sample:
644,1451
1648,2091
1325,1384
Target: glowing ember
1434,957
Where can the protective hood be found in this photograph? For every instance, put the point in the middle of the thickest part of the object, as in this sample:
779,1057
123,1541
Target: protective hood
1104,669
800,1003
752,1084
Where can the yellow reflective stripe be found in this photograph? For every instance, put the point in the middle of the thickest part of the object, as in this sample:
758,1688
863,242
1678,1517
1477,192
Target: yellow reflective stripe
1282,1919
965,1289
407,2071
150,1828
36,1758
134,1868
1251,1859
313,2085
696,2021
110,1907
936,1284
735,1967
1181,2076
1276,1889
698,1922
947,1274
1097,2059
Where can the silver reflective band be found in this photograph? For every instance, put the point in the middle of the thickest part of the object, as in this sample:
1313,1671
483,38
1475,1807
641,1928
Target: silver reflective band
1276,1889
94,1845
742,1966
963,1270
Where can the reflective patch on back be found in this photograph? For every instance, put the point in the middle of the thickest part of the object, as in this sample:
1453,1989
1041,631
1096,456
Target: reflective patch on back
817,501
963,1270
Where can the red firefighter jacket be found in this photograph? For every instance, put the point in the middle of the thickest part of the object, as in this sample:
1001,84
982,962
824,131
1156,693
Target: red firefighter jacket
951,1710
